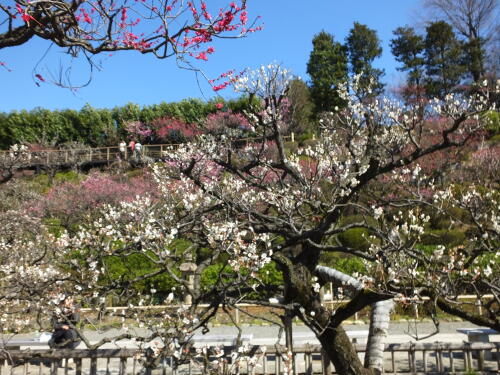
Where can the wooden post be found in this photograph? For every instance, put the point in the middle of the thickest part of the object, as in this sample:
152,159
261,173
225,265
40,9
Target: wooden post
292,137
93,366
78,366
479,308
308,363
452,364
424,358
107,154
440,360
123,366
480,360
326,364
287,322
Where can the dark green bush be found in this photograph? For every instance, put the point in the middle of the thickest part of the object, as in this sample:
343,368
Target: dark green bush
355,238
291,147
452,237
344,263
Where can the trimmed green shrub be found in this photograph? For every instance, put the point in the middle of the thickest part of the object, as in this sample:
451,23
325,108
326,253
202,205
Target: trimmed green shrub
451,237
355,238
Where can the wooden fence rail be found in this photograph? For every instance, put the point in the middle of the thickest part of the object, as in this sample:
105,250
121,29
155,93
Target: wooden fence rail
408,358
96,155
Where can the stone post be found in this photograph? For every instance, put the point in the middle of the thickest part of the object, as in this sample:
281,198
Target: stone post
188,268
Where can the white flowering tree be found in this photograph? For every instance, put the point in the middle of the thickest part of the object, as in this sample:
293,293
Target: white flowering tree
249,206
299,199
13,160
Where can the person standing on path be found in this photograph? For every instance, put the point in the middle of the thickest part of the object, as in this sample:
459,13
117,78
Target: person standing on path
131,144
138,150
122,147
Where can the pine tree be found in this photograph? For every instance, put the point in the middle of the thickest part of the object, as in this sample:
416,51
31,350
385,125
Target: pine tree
327,68
443,58
363,47
408,47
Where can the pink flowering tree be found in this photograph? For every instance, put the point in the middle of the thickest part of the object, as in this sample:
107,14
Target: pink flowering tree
162,130
182,29
227,122
70,202
172,130
138,131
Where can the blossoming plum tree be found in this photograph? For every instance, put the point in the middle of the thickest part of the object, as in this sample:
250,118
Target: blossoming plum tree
248,206
163,28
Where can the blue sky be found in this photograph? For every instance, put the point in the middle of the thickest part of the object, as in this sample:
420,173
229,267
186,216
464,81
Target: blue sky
289,26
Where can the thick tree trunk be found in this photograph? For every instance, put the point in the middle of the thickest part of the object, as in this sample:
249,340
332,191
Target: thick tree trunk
379,325
333,339
379,322
341,351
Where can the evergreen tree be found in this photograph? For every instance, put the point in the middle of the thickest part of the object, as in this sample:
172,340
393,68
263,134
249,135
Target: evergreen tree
363,46
301,106
408,47
443,59
327,68
474,58
477,23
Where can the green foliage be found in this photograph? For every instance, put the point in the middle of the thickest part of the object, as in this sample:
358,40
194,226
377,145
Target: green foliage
444,221
492,121
307,139
40,183
69,176
301,107
363,47
443,58
49,128
243,103
344,263
426,249
446,237
54,226
216,273
270,275
408,49
99,127
291,147
356,238
474,57
125,269
327,67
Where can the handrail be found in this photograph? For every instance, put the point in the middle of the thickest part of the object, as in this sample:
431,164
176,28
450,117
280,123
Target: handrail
437,357
297,349
145,146
346,300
